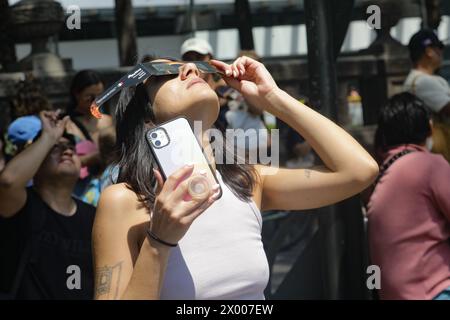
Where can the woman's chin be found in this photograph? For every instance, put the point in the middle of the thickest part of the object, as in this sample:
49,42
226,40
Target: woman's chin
208,104
204,92
202,105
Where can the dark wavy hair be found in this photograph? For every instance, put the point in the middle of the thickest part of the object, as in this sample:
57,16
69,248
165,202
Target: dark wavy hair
133,156
404,120
30,98
81,80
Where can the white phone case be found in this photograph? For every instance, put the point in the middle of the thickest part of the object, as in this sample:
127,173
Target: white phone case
183,148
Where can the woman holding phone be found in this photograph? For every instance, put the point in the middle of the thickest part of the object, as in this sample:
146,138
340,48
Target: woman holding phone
150,243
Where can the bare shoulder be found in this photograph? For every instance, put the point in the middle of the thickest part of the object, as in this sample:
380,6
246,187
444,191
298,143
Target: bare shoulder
118,194
119,202
119,189
259,168
117,236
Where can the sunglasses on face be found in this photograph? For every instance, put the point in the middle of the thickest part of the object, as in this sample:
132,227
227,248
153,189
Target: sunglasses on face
142,72
61,147
173,67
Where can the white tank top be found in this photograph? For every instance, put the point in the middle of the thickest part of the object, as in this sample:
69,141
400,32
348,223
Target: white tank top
221,257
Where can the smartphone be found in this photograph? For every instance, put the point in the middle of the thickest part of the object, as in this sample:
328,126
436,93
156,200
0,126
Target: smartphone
174,145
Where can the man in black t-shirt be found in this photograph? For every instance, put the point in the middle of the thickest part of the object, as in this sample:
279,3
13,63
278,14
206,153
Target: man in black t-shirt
45,234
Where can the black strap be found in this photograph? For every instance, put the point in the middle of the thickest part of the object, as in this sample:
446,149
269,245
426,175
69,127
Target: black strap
81,126
386,165
154,237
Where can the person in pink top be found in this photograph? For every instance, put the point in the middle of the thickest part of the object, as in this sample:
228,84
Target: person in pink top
409,210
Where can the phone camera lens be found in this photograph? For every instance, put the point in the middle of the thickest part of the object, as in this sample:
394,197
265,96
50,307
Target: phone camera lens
154,135
157,143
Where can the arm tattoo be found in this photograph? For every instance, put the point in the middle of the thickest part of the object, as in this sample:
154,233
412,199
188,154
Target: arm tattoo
307,173
104,277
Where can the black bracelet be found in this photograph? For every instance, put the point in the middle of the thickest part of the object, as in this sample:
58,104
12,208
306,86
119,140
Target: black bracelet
154,237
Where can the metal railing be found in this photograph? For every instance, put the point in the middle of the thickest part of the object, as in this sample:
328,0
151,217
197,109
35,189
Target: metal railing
298,261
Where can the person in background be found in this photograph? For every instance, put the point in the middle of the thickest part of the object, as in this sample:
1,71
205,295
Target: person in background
85,87
299,151
242,114
254,111
21,132
45,233
107,174
107,151
409,210
426,52
29,98
196,49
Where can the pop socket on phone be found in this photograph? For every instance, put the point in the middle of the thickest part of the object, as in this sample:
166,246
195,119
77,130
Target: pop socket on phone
198,186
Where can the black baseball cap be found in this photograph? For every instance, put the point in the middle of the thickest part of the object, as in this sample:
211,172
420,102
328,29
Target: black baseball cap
420,41
423,39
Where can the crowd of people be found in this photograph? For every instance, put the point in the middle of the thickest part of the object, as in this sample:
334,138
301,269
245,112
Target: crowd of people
409,210
80,191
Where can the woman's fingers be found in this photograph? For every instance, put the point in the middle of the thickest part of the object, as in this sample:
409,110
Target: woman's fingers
172,214
239,66
236,72
187,207
198,210
226,68
235,69
171,222
174,179
180,191
159,180
241,69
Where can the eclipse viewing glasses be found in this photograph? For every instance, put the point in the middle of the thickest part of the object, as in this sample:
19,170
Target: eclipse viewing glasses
140,73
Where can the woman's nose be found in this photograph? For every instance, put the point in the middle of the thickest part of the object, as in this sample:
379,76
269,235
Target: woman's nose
189,69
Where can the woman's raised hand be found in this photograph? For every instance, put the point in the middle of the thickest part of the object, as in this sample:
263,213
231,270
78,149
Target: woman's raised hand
172,214
52,126
249,77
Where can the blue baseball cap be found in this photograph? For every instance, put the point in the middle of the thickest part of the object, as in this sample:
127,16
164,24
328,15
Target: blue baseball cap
24,129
